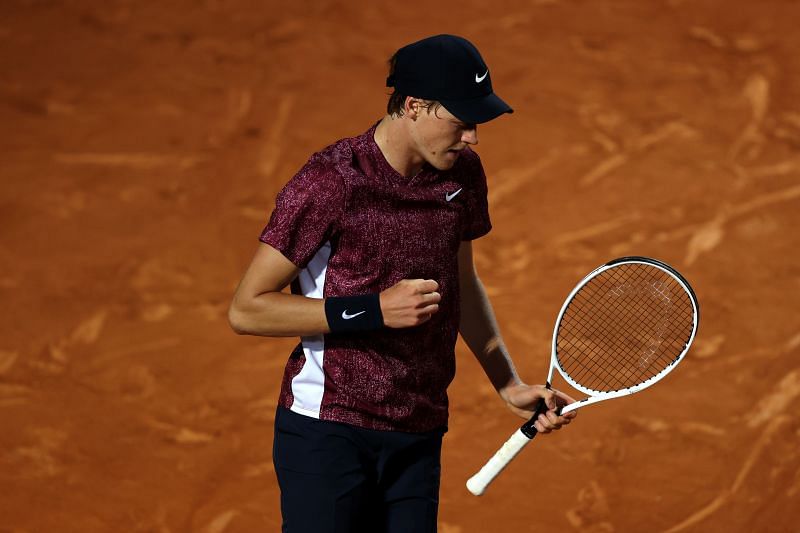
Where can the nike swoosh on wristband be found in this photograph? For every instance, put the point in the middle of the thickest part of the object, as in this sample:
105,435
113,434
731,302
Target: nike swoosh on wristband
450,196
479,79
348,317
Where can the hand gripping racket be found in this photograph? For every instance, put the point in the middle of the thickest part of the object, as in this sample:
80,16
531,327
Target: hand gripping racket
622,328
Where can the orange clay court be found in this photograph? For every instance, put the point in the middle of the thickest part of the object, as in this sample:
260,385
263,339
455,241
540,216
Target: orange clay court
142,147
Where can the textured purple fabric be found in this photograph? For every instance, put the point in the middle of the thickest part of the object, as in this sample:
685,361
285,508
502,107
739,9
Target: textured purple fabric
383,228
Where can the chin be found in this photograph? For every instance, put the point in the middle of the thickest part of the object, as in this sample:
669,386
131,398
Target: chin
446,162
443,165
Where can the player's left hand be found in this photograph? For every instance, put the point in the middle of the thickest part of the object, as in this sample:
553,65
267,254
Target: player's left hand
522,399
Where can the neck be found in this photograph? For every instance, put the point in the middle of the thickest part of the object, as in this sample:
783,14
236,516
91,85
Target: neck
393,139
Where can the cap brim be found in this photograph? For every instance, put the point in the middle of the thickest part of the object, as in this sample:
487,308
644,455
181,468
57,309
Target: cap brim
477,110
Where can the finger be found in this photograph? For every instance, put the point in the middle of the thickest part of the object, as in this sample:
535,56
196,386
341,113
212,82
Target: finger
565,398
430,298
427,285
425,318
429,310
548,396
539,427
545,422
558,421
567,418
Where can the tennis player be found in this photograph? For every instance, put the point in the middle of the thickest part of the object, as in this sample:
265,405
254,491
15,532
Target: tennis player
374,235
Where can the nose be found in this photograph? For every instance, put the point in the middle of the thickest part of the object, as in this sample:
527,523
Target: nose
470,135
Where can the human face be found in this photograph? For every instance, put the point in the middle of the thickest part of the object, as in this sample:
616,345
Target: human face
439,137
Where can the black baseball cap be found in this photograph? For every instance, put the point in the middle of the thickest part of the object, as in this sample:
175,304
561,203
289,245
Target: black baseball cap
450,70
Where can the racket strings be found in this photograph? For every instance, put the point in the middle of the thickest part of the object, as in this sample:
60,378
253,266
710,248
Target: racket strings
630,331
596,365
626,325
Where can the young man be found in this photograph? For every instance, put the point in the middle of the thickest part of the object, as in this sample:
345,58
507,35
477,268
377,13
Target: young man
374,235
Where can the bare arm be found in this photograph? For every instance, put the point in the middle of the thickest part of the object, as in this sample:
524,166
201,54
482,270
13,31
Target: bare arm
260,308
478,328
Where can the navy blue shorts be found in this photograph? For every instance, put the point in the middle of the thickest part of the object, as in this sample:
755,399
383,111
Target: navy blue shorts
339,478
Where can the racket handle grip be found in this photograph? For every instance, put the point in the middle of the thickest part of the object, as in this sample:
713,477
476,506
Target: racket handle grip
477,484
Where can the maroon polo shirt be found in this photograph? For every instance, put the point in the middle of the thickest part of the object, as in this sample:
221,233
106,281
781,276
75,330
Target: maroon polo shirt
354,225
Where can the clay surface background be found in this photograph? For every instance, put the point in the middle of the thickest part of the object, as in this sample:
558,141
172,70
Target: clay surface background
141,148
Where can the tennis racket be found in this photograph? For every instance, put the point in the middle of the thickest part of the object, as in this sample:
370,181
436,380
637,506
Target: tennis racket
622,328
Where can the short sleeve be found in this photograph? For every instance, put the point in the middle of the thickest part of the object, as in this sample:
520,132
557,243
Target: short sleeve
306,212
476,222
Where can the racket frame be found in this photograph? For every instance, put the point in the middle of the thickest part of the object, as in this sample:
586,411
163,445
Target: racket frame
596,396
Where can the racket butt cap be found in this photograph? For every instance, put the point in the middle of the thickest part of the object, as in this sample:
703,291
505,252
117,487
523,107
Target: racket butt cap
475,487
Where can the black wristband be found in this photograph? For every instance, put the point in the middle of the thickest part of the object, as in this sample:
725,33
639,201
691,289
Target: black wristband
354,313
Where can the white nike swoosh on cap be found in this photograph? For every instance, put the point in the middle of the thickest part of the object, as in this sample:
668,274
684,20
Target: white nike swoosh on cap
450,196
479,79
348,317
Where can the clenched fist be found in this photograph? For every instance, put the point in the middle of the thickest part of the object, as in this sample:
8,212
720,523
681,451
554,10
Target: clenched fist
410,302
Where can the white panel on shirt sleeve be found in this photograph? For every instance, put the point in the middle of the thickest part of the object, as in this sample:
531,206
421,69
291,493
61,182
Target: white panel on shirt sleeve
308,385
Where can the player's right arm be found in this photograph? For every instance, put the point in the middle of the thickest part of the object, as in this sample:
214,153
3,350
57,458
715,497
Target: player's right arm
259,306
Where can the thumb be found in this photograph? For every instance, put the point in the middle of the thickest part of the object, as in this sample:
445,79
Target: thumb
549,398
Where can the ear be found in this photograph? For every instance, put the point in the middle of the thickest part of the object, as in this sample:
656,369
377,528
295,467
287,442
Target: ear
412,107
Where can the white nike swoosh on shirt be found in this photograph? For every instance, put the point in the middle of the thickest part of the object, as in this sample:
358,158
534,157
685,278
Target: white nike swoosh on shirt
450,196
479,79
348,317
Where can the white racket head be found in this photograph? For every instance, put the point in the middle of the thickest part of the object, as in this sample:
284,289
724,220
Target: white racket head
623,328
